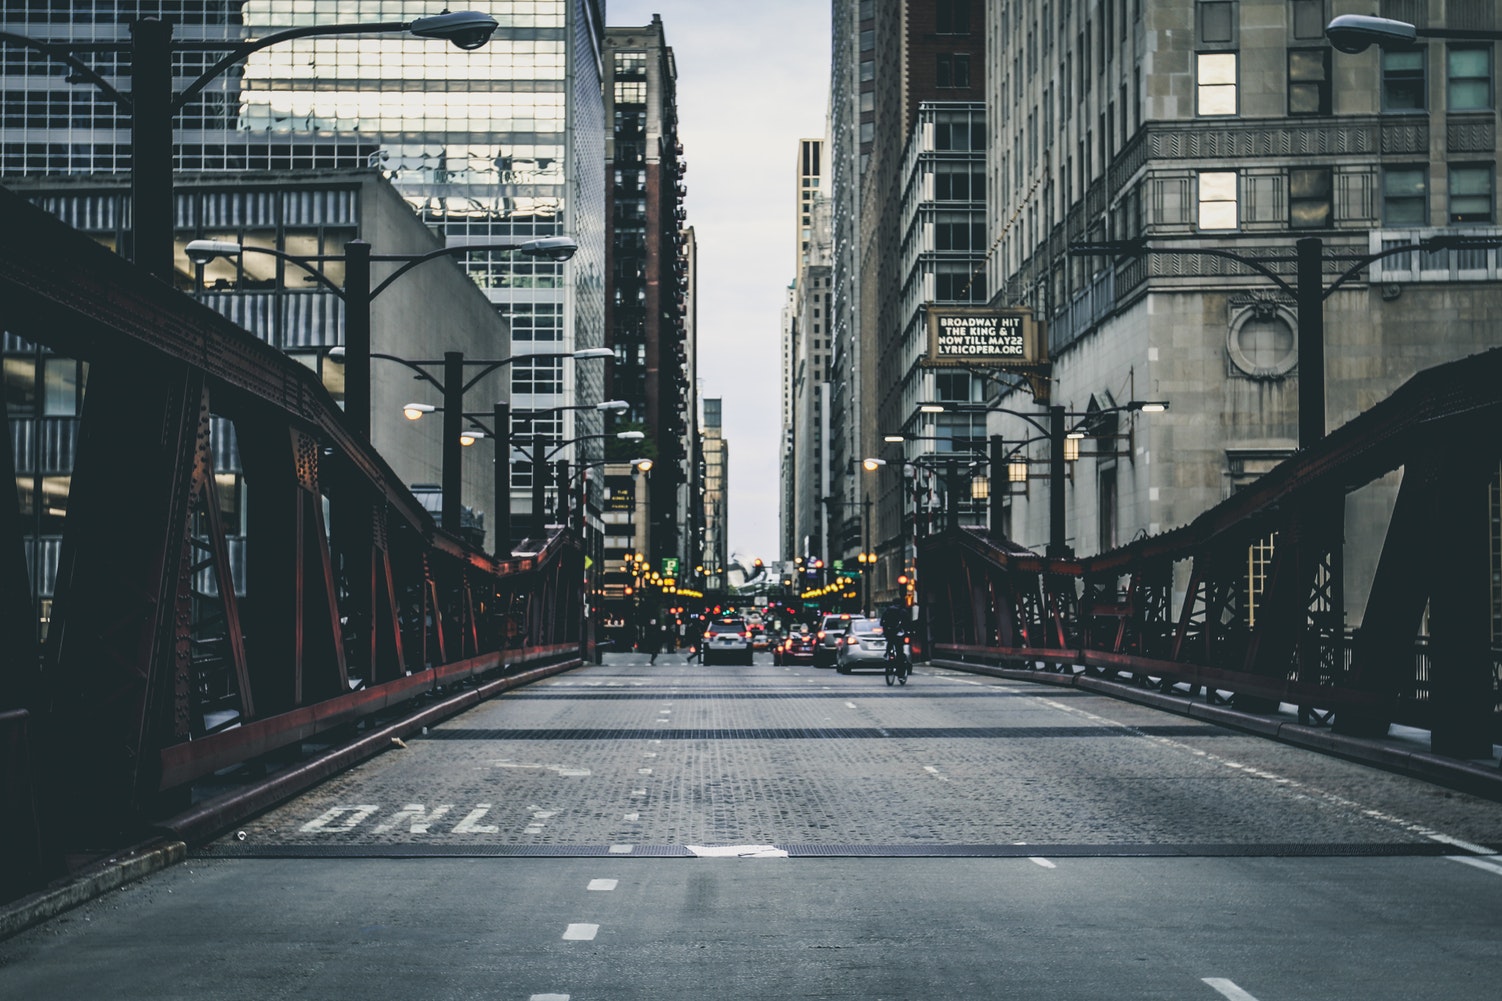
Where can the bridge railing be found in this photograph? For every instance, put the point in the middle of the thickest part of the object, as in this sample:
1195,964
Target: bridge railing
1180,608
179,646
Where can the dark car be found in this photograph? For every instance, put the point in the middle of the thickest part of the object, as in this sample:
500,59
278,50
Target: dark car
727,640
796,647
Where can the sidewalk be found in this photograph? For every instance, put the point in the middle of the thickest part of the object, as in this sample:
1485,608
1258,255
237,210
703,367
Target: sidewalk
1404,750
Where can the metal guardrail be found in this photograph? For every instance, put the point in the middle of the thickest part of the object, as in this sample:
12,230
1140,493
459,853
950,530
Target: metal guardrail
161,666
1173,608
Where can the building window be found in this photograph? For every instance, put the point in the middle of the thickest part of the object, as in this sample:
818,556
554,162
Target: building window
1309,199
959,182
1216,22
953,17
1405,196
1309,20
953,71
630,92
1471,193
1217,199
1470,78
1309,81
1403,81
1215,89
959,231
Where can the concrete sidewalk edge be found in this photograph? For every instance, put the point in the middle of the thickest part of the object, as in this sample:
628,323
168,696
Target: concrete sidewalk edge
92,882
1465,776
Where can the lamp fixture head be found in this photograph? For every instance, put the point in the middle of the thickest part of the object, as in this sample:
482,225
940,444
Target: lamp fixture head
870,465
414,411
583,353
468,438
630,435
610,405
1357,32
553,248
468,29
204,251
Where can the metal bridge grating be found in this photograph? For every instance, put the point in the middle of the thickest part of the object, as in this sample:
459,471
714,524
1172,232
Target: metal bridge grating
235,850
666,732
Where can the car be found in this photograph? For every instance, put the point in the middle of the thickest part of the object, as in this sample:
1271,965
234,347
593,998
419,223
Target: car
864,645
827,639
758,637
796,648
727,640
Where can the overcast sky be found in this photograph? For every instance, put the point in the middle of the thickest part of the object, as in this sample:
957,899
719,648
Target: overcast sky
753,79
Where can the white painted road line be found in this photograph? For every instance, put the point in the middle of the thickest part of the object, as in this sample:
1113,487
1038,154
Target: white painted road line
1228,989
1482,864
736,851
548,997
849,705
1037,860
622,849
603,885
581,933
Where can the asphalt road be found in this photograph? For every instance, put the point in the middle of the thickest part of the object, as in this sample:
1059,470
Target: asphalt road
670,831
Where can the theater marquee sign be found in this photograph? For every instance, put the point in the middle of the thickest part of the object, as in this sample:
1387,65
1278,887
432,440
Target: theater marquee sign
977,337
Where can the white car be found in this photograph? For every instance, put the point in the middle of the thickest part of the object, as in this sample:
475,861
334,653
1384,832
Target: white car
727,640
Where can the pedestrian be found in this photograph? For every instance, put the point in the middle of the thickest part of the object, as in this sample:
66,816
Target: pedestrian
653,640
695,637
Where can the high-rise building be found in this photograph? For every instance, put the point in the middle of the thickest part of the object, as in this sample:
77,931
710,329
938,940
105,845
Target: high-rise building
716,555
1221,136
649,282
905,122
806,351
496,145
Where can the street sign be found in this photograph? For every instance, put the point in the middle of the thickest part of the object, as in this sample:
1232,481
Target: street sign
670,566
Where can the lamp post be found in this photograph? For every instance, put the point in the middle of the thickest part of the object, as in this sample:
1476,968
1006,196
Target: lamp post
453,386
152,105
357,294
1061,451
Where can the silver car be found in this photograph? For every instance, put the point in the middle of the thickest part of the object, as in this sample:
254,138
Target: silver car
728,641
827,639
865,645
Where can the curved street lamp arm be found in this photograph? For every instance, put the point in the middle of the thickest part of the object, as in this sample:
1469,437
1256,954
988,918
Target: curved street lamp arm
422,373
1360,265
574,441
54,50
411,262
240,51
304,263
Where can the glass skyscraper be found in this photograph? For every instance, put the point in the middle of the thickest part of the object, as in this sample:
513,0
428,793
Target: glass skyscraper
496,145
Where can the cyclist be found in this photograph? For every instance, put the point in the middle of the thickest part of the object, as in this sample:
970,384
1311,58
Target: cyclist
893,620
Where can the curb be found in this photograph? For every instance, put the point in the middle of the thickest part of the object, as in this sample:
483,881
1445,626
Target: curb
1465,776
92,882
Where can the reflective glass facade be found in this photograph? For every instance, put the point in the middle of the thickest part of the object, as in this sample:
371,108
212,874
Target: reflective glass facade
496,145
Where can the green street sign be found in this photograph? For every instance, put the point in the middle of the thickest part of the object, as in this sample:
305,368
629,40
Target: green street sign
670,566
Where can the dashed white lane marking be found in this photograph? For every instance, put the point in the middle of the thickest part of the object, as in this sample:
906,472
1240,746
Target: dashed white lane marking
930,769
581,933
644,771
849,705
736,851
622,849
548,997
1040,861
1482,864
603,885
632,817
1228,989
638,792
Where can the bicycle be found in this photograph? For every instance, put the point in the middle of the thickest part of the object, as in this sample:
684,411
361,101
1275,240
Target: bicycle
899,666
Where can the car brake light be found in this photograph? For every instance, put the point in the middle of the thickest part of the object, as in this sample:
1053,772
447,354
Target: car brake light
853,641
821,634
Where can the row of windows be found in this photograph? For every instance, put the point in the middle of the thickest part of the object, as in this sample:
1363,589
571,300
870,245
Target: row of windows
1404,81
1470,198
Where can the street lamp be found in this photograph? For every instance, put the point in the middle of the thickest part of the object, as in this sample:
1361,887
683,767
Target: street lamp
152,106
357,294
453,386
1354,33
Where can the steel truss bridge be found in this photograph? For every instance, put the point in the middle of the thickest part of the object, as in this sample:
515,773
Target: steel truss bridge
159,672
1180,610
